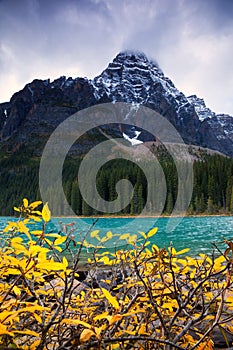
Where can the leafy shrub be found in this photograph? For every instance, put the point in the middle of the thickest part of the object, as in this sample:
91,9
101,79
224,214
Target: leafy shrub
140,298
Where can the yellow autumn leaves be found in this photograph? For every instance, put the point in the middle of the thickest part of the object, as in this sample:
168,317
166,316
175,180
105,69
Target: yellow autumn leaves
29,210
46,215
143,297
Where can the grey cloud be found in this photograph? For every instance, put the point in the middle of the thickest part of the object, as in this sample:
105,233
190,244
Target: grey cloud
210,16
42,39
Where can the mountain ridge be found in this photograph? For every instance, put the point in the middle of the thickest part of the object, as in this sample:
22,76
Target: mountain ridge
35,111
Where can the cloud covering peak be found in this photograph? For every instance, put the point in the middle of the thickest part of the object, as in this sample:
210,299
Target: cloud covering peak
192,41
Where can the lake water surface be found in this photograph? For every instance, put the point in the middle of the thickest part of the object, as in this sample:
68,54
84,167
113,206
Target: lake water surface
195,233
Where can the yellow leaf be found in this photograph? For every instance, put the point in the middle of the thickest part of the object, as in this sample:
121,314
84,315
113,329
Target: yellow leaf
22,227
3,330
9,315
16,245
46,215
172,251
98,330
35,344
56,266
35,204
60,240
105,260
58,248
155,248
142,330
218,262
152,232
124,236
109,234
114,318
129,332
110,298
207,345
16,240
16,290
132,239
16,209
34,249
86,335
142,234
101,316
94,233
37,212
65,262
25,202
42,257
205,257
183,251
52,235
37,232
48,241
104,239
35,218
13,272
37,317
168,306
33,308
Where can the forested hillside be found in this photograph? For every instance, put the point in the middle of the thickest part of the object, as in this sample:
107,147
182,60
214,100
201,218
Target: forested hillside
212,192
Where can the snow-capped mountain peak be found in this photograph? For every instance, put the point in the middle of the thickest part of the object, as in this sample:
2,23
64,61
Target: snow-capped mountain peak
130,77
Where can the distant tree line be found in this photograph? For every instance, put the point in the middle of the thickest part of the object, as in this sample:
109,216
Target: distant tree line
212,187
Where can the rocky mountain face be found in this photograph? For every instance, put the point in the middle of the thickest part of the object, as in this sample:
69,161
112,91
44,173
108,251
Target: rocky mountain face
34,112
221,125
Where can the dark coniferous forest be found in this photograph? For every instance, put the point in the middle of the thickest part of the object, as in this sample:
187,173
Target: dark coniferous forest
212,187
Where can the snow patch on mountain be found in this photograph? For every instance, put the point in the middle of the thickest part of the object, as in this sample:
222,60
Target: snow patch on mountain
202,111
134,140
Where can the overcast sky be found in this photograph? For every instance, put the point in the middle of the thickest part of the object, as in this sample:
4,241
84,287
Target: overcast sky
192,41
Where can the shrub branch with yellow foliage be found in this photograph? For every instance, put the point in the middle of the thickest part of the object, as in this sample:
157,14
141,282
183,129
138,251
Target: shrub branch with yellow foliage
163,299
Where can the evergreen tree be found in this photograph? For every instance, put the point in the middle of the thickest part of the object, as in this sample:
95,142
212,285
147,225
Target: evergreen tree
169,204
210,206
76,200
231,202
141,202
86,209
134,201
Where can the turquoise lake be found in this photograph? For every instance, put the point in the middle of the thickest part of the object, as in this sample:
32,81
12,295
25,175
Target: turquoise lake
195,233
